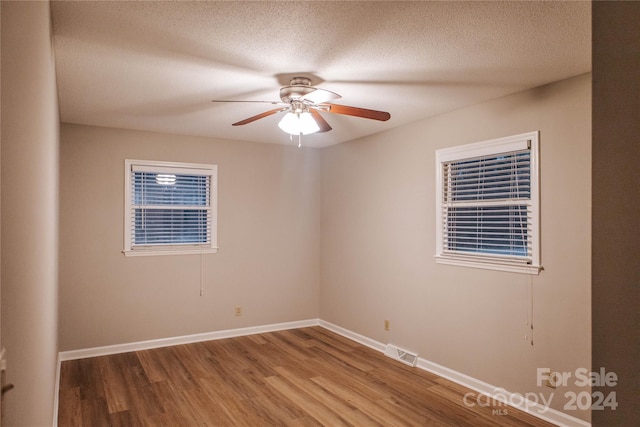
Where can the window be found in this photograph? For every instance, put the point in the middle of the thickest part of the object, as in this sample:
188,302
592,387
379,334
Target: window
487,205
170,208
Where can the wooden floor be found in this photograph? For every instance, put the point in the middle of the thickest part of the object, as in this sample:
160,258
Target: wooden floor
301,377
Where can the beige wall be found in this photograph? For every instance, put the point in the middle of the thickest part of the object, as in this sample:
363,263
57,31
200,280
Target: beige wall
29,212
378,243
268,234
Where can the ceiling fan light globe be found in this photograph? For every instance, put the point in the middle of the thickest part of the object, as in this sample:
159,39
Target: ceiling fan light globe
296,124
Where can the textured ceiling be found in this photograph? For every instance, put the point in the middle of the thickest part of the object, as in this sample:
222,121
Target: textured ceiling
157,65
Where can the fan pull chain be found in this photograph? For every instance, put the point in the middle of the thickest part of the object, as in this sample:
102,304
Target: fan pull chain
299,139
201,274
531,306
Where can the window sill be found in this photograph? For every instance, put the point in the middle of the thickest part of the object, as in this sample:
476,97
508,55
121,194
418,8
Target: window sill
490,265
154,252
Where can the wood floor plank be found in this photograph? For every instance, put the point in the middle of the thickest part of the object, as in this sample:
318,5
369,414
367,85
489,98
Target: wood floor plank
234,382
95,413
332,339
348,357
90,379
356,379
114,387
263,358
206,412
152,365
363,403
280,409
455,393
176,369
346,410
257,338
313,408
410,415
451,412
235,355
290,346
71,407
176,410
143,399
125,419
227,398
302,377
70,375
300,337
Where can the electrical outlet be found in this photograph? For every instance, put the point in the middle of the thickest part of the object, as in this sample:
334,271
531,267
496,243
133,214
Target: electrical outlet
238,310
551,379
386,325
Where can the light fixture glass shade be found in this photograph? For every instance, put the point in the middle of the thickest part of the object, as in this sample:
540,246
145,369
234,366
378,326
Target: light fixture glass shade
297,124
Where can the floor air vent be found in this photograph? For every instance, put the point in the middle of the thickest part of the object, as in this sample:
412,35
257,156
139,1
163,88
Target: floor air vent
401,355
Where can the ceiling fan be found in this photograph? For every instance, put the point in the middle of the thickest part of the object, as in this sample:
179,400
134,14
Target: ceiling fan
303,103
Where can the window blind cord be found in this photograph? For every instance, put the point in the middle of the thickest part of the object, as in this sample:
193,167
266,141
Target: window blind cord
143,202
201,261
523,235
530,287
201,273
513,194
479,190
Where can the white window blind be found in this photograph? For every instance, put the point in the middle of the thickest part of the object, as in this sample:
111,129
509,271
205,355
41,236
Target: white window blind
488,204
169,208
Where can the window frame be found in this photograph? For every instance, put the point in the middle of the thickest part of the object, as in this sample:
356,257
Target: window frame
487,148
177,168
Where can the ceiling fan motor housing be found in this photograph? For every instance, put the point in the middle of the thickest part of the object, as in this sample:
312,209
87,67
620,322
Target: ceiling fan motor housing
304,81
299,87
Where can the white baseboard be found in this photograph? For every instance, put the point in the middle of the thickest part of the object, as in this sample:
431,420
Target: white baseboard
502,396
56,395
491,392
186,339
376,345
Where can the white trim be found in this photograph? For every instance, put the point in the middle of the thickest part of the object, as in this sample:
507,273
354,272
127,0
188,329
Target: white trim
209,170
486,148
151,252
499,394
186,339
489,265
140,165
533,408
536,250
494,146
376,345
170,167
56,390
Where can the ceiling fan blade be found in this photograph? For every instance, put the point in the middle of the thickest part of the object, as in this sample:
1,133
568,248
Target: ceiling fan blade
358,112
322,123
318,96
257,102
258,116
